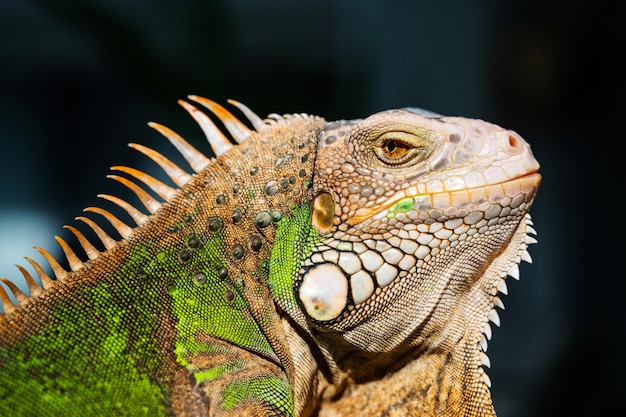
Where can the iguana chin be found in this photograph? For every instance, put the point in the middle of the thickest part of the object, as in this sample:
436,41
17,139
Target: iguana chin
346,268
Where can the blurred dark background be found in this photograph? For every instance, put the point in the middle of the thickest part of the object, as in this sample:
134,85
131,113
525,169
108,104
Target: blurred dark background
79,80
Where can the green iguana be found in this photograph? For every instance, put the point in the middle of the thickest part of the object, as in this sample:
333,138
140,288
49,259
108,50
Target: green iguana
346,268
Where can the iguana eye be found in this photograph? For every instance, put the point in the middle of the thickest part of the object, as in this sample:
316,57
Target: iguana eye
395,149
398,148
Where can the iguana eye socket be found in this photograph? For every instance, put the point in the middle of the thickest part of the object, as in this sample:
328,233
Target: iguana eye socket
398,148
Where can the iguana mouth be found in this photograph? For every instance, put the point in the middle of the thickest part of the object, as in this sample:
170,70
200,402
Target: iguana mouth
410,199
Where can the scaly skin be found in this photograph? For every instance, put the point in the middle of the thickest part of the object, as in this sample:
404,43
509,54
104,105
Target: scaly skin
314,269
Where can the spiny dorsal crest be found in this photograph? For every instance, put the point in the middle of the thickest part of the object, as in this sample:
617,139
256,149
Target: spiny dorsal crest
219,142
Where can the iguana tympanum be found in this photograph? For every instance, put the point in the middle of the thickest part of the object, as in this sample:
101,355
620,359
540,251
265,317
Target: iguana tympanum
314,268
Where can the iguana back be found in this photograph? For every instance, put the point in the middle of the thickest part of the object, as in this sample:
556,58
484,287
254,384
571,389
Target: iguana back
312,268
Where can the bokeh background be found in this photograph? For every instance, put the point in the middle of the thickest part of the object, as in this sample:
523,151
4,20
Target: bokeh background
79,80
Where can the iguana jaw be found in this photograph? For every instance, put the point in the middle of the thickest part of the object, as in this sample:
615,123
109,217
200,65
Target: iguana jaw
448,355
443,201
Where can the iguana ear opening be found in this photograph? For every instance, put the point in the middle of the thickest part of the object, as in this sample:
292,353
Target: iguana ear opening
323,212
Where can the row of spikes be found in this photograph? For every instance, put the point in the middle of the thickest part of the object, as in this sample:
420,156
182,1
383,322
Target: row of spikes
501,287
197,161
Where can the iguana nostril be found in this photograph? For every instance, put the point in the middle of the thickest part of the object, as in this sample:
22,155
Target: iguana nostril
511,143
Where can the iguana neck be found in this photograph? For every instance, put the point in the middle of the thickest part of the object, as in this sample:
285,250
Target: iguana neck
443,379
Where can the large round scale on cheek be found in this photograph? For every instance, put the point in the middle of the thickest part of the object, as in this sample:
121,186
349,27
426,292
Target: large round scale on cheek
324,292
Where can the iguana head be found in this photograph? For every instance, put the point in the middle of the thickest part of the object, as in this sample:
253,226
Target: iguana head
422,218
